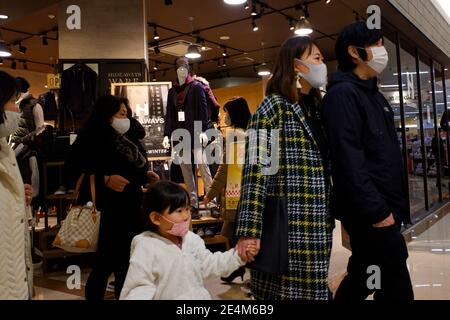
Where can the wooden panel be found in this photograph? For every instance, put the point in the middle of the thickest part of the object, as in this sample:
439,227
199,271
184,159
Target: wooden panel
252,92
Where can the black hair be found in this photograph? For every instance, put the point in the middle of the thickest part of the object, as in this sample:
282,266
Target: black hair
22,84
99,122
239,112
283,80
185,62
8,89
359,35
160,197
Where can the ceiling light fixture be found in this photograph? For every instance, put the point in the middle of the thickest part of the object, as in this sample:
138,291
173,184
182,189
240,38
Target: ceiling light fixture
327,1
3,17
234,2
224,62
156,66
291,24
44,40
303,27
255,27
254,12
155,33
246,6
192,52
22,49
263,70
224,53
4,50
1,61
14,65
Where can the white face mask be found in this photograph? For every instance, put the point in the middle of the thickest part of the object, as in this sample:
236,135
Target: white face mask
182,74
317,76
121,125
10,125
380,59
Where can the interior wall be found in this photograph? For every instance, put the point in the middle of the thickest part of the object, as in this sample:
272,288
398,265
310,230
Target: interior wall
37,80
253,93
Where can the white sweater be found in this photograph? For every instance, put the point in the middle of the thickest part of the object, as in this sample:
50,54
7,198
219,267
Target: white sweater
160,270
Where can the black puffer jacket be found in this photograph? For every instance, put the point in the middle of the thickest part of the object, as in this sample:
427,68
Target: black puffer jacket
367,166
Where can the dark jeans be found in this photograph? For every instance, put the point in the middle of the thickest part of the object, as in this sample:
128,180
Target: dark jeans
381,247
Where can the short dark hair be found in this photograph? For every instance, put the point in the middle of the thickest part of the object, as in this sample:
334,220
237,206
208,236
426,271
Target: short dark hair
182,61
359,35
283,80
99,122
8,89
239,112
160,197
22,84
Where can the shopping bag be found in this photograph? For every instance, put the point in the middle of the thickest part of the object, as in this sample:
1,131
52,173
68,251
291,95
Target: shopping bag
235,163
79,231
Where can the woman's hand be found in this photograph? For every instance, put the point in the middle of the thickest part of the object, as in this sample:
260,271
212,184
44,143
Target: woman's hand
28,194
116,183
247,248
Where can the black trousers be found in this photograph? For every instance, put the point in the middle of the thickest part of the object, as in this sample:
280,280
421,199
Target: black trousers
374,249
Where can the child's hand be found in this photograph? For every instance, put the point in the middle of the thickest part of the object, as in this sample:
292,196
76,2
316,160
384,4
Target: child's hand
252,250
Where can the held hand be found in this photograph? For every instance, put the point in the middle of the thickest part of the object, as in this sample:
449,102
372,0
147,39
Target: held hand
166,143
116,183
248,243
389,221
28,194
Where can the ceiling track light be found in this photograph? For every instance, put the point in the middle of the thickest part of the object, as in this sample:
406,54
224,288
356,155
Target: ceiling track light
193,52
255,27
291,24
156,66
1,61
263,70
22,49
234,2
254,11
155,33
44,39
304,27
224,62
5,51
327,1
224,53
246,6
14,65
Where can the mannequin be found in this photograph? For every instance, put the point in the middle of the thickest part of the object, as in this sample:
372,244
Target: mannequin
186,104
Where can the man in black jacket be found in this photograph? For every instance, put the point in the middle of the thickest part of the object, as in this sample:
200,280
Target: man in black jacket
370,189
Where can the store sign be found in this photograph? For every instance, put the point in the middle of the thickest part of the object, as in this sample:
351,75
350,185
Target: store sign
53,81
120,72
148,101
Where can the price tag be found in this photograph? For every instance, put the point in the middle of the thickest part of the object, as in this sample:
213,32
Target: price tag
181,117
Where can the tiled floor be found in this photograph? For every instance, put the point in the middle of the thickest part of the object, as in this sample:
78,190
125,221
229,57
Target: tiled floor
429,265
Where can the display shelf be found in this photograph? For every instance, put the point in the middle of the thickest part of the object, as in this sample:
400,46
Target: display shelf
206,220
218,239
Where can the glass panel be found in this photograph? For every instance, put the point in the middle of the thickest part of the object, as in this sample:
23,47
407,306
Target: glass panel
443,147
429,132
413,142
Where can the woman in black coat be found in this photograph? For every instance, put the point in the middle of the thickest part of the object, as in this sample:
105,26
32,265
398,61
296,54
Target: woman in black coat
120,168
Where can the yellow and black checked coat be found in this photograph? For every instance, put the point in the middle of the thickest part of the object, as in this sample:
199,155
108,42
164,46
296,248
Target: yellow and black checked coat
310,223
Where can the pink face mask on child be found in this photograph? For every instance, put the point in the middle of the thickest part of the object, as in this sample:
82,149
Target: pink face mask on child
179,229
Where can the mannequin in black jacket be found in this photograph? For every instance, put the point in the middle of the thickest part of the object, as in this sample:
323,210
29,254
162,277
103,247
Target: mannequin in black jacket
100,149
187,103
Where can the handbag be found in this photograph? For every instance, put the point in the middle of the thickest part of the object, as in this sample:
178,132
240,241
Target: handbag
79,231
273,256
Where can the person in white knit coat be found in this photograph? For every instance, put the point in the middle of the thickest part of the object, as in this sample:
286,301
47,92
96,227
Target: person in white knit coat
169,262
16,268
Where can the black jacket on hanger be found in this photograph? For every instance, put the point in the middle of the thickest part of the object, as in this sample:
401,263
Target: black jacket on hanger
195,107
48,102
79,87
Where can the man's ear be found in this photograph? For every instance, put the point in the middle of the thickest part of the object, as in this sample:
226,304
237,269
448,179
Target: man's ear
155,218
353,52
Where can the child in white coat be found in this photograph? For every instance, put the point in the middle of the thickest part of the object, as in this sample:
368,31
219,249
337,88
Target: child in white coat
169,262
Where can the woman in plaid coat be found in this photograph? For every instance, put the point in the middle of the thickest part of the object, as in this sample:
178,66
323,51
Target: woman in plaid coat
292,90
